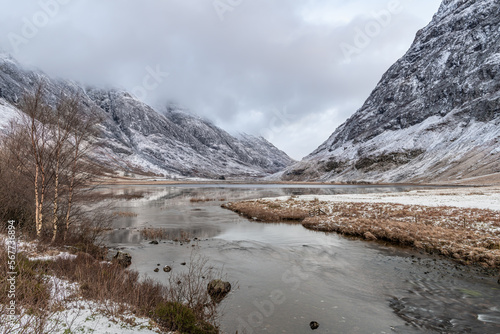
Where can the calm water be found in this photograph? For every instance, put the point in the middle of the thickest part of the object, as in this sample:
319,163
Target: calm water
286,276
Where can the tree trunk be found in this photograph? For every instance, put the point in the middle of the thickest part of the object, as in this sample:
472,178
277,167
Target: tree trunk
71,187
40,206
55,220
37,203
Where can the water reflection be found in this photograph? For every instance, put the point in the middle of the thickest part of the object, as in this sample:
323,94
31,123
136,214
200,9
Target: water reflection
288,276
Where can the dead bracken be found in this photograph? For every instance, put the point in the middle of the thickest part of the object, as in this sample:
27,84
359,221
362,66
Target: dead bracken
470,236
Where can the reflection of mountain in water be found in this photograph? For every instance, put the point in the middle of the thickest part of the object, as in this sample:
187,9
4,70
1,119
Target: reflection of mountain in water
338,282
170,207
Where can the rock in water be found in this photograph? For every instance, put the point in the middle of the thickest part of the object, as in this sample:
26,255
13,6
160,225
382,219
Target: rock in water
314,325
167,269
218,290
122,259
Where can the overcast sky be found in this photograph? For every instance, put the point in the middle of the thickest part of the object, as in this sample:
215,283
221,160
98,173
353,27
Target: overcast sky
289,70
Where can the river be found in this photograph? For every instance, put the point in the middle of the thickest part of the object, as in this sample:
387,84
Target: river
285,276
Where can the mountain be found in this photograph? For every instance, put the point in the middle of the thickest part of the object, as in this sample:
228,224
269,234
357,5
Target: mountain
139,139
435,114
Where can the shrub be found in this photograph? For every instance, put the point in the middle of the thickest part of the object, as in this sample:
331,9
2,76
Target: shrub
179,317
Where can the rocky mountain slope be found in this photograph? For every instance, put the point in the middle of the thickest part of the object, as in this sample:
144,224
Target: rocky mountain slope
435,114
138,139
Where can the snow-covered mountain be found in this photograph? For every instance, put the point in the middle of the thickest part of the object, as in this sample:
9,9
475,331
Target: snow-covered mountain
139,139
435,114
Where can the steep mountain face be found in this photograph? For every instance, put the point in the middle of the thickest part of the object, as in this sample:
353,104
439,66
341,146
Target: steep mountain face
435,114
138,139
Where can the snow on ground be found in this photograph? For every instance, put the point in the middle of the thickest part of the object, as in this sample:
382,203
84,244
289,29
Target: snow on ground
62,255
7,113
77,315
479,198
83,317
74,315
86,317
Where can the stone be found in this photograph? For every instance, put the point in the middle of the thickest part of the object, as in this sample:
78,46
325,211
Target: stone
123,259
314,325
156,270
167,269
154,242
218,290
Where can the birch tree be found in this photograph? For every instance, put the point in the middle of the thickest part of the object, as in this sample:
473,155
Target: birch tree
51,146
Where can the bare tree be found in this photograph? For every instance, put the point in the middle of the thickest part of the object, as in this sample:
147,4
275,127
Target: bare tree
32,122
80,133
51,147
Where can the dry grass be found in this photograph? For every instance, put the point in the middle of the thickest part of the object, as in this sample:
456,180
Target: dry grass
115,289
267,211
107,283
470,236
124,214
198,200
149,233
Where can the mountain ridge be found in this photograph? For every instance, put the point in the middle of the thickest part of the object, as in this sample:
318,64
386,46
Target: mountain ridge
433,117
139,139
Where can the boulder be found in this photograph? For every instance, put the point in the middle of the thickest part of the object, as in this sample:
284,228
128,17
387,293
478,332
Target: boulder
167,269
218,290
314,325
122,259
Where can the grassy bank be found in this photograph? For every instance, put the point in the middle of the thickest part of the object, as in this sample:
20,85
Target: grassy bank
470,236
64,290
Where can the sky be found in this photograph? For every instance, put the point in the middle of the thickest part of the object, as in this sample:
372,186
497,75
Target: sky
291,71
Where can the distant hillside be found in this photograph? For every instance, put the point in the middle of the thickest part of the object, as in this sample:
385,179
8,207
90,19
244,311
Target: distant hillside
138,139
435,114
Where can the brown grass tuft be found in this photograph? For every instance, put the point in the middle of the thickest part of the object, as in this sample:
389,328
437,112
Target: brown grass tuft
149,233
267,211
470,236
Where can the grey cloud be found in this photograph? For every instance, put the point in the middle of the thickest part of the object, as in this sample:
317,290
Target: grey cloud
264,56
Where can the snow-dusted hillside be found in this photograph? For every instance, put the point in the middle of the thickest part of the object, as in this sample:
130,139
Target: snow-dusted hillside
8,113
435,114
138,139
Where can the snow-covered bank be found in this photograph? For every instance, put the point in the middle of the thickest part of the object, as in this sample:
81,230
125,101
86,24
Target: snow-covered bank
66,310
474,198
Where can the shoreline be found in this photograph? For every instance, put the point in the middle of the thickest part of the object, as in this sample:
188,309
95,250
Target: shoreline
131,182
461,224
